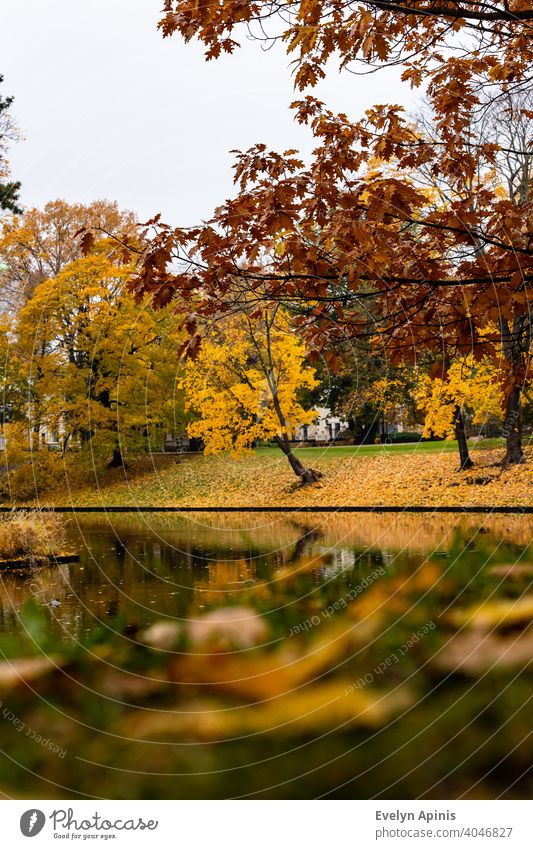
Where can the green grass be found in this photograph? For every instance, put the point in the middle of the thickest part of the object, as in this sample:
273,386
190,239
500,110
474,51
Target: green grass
372,450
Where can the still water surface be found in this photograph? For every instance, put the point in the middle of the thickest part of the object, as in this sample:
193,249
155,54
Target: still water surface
138,723
146,568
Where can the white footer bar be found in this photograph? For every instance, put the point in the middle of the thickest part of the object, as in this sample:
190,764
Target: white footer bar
268,824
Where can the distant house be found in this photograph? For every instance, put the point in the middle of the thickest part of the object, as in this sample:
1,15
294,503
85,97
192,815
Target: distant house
175,444
182,444
45,438
326,428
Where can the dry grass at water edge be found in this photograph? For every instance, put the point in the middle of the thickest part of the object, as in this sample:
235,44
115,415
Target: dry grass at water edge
30,535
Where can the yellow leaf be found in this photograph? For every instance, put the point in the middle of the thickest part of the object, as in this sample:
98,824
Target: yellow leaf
492,614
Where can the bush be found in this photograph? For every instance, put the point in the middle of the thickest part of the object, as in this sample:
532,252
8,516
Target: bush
27,472
38,472
406,436
30,535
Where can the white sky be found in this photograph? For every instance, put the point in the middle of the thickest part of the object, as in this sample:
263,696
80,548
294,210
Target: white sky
110,109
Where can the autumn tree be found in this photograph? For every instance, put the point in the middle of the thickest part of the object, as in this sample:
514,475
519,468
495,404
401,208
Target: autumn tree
38,244
9,191
365,250
503,124
244,385
466,387
357,254
97,370
508,123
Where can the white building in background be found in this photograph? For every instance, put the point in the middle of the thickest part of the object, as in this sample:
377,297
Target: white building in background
46,438
326,428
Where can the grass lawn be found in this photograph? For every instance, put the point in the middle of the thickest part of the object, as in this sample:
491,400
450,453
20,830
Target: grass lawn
380,450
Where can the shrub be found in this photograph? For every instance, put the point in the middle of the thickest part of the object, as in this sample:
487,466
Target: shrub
406,436
30,535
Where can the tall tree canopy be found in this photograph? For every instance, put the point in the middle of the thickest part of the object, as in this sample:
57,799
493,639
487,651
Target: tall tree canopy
450,45
38,244
355,241
364,249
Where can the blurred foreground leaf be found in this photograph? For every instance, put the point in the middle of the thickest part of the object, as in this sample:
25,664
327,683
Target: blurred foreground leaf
313,709
494,614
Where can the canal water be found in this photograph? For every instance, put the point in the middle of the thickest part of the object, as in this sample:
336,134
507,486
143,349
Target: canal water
359,656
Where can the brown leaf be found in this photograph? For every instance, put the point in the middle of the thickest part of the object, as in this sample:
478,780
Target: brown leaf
161,635
513,570
87,242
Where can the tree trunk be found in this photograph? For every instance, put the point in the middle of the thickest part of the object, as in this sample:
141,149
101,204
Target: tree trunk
460,435
516,342
306,475
64,444
512,429
117,460
85,435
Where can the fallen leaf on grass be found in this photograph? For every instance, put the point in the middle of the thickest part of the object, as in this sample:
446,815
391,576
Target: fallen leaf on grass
128,685
227,628
221,630
161,635
259,479
15,672
513,570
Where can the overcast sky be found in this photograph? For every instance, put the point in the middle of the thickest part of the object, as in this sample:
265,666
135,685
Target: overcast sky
110,109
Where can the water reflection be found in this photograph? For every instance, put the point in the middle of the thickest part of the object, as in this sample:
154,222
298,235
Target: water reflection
145,568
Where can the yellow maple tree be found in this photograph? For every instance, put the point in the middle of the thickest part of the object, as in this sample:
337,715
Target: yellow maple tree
244,385
96,368
468,384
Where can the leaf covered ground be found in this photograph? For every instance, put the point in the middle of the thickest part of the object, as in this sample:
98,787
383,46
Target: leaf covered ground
264,478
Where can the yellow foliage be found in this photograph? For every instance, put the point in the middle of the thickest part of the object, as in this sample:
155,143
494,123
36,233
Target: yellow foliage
469,384
494,613
94,366
388,394
244,385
